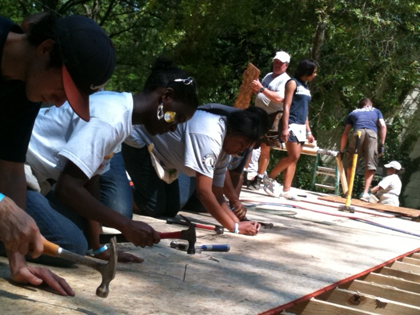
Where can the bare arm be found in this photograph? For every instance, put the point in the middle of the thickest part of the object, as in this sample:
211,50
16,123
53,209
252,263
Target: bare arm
213,200
289,91
71,191
20,232
271,95
232,194
344,137
382,131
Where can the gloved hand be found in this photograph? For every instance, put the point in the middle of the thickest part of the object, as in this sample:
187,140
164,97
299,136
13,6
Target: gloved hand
381,150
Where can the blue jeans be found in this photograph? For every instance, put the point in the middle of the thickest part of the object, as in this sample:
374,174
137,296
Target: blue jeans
153,196
57,224
115,188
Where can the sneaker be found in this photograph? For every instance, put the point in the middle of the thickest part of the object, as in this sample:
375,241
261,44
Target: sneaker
272,187
364,197
255,184
289,195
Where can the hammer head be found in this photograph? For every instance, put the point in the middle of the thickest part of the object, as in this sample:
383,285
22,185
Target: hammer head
190,236
108,270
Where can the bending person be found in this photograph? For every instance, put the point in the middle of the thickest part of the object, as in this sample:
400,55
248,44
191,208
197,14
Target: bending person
42,65
200,151
73,153
293,128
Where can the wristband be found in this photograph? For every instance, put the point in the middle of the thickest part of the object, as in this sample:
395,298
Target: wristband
236,228
308,133
1,197
100,250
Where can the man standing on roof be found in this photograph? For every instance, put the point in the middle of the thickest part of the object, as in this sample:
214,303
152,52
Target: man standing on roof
56,60
269,96
366,119
389,188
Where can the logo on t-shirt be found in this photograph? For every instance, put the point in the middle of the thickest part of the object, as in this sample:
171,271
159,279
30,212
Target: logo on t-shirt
209,161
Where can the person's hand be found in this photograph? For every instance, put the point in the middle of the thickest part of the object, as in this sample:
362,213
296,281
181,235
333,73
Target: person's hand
381,150
123,257
285,135
18,230
239,210
141,234
310,138
36,276
249,227
256,86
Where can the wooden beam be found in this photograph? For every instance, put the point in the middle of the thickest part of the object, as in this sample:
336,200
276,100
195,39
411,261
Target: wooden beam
386,292
406,267
416,255
413,213
318,307
392,281
245,91
410,260
342,174
407,275
371,303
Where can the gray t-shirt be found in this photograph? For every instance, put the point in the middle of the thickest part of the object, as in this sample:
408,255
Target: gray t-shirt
195,146
276,84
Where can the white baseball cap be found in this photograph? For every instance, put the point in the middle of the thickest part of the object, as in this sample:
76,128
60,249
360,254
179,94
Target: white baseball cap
393,164
282,56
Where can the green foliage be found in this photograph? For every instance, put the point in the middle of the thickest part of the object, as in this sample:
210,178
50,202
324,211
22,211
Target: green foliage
363,48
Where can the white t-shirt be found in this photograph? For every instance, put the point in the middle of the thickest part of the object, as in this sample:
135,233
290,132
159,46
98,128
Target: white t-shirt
60,135
195,146
391,186
276,84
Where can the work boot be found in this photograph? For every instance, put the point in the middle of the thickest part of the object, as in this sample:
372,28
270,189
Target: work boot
255,184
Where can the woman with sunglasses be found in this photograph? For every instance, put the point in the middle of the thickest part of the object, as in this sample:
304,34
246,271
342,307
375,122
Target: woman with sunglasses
72,154
200,150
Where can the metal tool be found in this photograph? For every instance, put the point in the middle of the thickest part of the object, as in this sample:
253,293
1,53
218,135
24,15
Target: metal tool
106,269
347,207
188,235
217,228
210,248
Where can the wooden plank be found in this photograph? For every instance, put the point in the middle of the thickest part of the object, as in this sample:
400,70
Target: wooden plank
413,213
371,303
406,267
317,307
245,91
407,275
386,292
410,260
416,255
342,174
392,281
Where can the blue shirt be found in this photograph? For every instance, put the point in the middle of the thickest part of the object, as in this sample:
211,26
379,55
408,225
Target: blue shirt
300,103
364,118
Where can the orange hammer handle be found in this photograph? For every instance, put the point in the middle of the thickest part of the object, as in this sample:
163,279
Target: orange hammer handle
50,249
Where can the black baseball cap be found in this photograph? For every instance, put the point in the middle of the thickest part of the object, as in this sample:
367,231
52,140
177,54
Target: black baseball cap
88,60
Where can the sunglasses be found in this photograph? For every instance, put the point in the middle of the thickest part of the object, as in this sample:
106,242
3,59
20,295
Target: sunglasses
187,81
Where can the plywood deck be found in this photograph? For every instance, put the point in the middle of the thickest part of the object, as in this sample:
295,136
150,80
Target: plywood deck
310,247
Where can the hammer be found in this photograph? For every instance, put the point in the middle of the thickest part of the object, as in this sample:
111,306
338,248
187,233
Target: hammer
188,235
107,270
217,228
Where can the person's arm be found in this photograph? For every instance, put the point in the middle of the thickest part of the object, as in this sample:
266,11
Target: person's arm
382,135
20,232
95,228
344,137
273,96
231,193
289,91
213,200
71,191
309,134
375,189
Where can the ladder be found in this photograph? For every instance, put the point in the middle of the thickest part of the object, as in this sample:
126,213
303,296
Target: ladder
321,171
